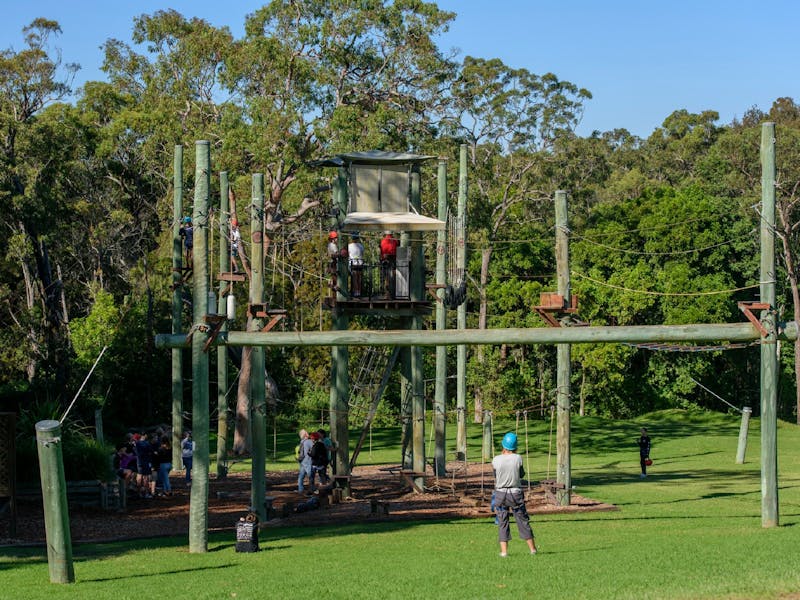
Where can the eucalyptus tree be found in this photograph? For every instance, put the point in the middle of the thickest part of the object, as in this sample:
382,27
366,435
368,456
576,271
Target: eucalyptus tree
39,148
510,119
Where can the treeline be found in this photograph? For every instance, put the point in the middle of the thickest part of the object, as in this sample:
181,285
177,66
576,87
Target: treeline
656,224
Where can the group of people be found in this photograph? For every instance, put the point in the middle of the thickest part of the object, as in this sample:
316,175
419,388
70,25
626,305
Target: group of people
354,253
314,454
144,463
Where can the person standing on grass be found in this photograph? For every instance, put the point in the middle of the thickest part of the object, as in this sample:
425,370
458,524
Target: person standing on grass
508,495
644,451
187,455
303,455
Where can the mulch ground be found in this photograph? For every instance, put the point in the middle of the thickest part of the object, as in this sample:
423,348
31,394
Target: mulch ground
462,494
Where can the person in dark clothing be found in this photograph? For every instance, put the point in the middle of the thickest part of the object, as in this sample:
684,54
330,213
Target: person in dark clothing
644,451
144,457
319,460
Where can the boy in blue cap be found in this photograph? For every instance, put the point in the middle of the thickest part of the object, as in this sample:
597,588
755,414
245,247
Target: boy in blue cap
508,474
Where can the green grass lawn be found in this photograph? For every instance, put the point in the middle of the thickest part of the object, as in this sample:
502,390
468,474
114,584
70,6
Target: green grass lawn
690,530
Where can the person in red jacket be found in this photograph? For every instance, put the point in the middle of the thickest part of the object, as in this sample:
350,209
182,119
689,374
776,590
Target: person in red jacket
389,261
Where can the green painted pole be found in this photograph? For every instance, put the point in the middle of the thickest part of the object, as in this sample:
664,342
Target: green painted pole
198,507
54,498
769,352
634,334
406,409
222,352
742,447
258,400
177,305
340,356
486,446
563,359
417,294
461,312
440,392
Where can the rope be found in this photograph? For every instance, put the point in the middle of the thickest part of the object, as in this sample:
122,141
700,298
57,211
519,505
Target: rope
71,404
527,455
688,348
624,289
673,253
550,442
715,395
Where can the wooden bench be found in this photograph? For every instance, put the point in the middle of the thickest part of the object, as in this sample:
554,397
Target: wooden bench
378,507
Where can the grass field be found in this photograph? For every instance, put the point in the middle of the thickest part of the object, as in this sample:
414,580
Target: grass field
692,529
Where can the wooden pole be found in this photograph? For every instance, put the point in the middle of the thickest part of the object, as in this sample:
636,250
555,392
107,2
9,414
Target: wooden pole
222,352
340,356
633,334
54,498
417,294
461,312
198,507
769,353
440,393
177,305
258,400
563,359
742,447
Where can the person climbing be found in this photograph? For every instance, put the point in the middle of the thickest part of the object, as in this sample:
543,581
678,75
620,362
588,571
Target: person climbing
388,262
187,233
644,452
508,494
236,238
355,250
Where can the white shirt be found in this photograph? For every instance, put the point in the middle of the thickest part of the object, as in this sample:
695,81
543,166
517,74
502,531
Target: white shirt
356,252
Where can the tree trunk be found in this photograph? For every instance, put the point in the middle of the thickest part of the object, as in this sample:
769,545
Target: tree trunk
241,434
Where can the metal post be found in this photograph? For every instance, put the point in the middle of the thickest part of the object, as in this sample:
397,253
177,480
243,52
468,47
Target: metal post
461,312
222,352
563,356
198,507
258,400
769,353
177,305
54,498
742,449
440,393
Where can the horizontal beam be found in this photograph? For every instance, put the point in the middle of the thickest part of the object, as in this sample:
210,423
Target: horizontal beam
727,332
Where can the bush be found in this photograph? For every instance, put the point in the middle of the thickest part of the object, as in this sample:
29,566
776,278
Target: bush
84,457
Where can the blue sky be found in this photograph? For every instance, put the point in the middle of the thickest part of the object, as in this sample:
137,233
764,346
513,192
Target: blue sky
641,59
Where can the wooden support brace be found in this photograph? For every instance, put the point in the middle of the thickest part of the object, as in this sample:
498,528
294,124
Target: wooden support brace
409,476
748,307
216,321
231,277
550,487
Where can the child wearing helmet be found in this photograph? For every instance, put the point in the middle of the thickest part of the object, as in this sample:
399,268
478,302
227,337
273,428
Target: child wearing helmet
187,233
508,495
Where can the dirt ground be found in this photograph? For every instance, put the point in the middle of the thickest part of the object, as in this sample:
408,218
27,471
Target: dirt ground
378,494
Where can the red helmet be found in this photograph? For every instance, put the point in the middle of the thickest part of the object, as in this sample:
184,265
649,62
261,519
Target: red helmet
333,235
234,222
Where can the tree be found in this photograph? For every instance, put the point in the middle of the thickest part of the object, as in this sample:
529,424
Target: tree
510,119
36,145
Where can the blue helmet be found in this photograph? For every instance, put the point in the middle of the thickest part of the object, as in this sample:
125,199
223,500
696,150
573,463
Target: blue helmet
510,441
187,219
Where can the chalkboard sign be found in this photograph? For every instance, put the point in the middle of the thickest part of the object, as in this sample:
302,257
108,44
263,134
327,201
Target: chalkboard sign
247,534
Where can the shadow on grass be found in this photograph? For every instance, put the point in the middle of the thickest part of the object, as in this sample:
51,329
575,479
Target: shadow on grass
156,573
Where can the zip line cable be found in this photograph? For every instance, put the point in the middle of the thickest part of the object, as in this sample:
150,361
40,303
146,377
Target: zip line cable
653,293
672,253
